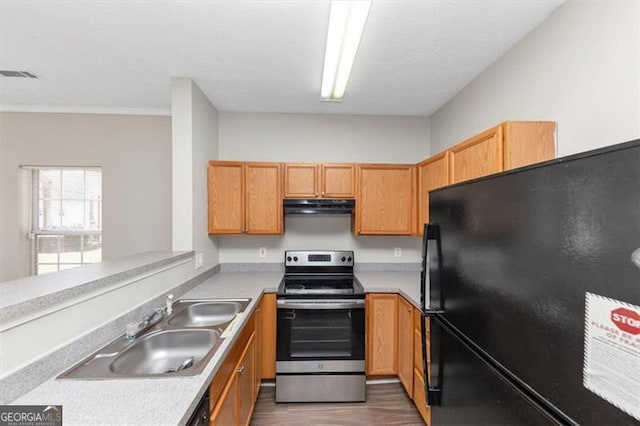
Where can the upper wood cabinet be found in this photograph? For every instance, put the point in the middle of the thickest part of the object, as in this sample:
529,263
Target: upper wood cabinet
338,180
527,142
300,180
385,199
506,146
244,198
478,156
303,180
433,173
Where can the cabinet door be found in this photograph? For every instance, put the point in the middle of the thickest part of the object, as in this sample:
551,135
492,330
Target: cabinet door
338,180
528,142
226,410
246,383
263,198
419,397
405,344
417,342
385,203
268,335
382,340
432,173
300,180
257,363
477,157
226,201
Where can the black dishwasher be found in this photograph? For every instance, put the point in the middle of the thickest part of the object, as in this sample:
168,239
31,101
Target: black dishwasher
200,417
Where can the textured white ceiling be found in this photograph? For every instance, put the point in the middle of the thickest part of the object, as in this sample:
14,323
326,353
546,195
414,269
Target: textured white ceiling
250,56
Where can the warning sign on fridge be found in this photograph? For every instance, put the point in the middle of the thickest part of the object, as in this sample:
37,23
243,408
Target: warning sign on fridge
612,352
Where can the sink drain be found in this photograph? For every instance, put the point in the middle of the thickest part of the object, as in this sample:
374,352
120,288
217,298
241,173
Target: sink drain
187,363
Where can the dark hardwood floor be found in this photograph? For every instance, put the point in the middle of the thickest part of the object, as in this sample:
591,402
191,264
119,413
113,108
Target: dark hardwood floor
387,404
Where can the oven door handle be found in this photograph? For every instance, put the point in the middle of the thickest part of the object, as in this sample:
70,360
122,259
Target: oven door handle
320,304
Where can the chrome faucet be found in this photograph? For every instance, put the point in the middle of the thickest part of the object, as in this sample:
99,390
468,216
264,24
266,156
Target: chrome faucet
135,329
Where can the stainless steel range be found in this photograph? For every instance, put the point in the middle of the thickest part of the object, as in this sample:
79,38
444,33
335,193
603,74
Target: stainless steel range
320,329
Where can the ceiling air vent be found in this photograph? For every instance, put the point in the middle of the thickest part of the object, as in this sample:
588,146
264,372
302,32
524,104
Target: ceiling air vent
26,74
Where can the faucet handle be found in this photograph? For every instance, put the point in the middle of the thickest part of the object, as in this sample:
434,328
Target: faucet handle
131,330
169,304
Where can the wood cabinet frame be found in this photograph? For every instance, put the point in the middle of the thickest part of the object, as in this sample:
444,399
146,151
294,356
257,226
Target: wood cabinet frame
242,201
382,334
382,207
310,180
433,173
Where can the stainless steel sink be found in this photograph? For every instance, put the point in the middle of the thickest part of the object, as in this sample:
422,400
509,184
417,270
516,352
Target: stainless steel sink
206,314
169,351
179,345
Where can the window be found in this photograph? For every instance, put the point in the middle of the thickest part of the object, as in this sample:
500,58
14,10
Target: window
66,218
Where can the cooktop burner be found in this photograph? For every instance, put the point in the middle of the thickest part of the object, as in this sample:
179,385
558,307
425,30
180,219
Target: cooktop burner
319,273
319,285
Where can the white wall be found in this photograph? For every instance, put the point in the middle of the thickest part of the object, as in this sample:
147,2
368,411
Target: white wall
181,165
579,68
321,138
135,155
194,143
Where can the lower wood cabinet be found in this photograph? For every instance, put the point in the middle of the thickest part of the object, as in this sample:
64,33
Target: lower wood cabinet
419,397
225,412
393,347
233,390
381,332
394,344
405,344
267,325
246,374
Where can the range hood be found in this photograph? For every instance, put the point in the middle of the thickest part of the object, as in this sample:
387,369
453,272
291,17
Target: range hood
318,206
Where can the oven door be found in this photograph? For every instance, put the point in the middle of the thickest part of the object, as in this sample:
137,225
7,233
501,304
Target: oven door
320,329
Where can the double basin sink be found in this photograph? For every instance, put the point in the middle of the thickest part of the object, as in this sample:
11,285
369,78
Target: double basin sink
180,344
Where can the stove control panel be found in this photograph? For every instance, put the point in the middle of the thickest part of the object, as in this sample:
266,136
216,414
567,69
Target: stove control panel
318,258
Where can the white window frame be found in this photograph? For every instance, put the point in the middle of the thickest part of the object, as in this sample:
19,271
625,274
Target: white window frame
35,222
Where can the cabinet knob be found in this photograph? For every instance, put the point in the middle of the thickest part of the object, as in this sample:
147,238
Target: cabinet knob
241,370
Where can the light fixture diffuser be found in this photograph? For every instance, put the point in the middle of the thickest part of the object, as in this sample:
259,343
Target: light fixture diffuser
346,23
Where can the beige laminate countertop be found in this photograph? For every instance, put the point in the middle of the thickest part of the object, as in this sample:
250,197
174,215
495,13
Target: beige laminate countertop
172,400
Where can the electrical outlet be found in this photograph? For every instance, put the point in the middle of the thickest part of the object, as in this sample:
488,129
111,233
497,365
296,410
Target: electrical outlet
199,260
262,252
397,252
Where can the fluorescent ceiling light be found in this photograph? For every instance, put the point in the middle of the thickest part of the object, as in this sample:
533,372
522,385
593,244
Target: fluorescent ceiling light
346,23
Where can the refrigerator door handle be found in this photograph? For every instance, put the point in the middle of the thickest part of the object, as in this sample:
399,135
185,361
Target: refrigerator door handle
432,268
432,391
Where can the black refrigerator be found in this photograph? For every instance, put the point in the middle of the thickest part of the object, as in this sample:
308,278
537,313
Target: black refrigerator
533,285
